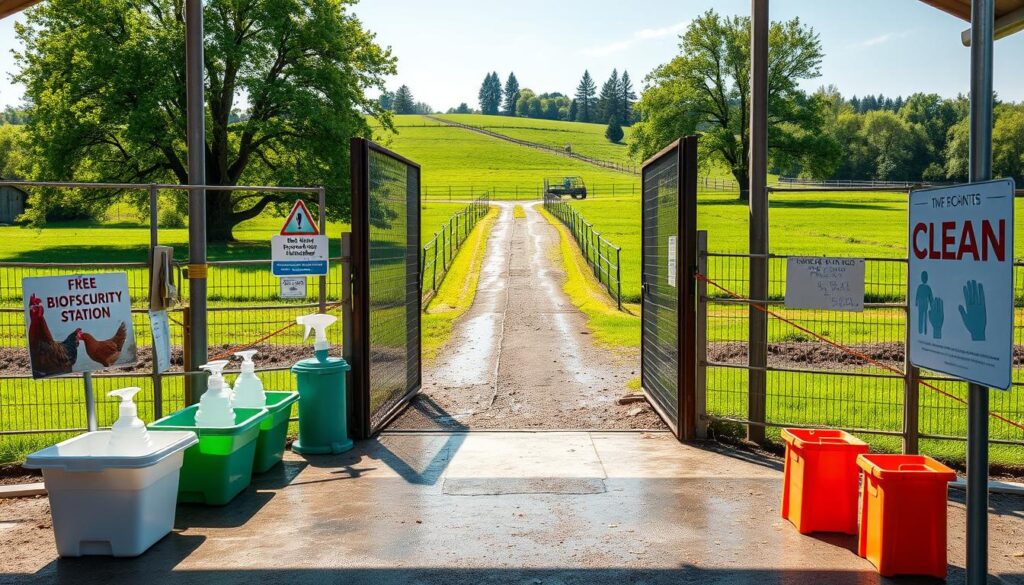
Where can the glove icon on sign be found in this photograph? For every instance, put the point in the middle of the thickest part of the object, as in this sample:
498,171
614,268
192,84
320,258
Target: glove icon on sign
973,310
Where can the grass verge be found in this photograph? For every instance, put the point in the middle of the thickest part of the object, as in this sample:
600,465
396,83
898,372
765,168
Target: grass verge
518,212
455,295
611,327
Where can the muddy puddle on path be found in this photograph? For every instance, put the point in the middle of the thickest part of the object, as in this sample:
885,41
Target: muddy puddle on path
522,357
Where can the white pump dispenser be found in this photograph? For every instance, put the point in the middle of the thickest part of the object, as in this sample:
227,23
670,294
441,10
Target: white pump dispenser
318,322
128,435
248,386
215,404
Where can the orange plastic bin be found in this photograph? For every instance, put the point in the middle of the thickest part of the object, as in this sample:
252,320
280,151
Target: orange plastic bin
821,480
903,514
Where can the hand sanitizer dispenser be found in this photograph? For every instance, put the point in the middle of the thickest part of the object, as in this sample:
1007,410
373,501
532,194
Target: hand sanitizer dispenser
248,386
323,422
215,404
128,436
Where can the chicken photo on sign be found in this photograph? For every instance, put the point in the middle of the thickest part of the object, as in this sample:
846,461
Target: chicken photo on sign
78,323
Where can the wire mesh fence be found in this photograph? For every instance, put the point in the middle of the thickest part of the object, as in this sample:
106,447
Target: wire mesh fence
603,257
439,253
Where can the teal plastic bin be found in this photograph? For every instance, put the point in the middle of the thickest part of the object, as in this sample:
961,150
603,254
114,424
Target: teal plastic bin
220,466
323,414
273,430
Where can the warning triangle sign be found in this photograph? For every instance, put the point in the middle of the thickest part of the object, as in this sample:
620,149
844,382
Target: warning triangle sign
299,222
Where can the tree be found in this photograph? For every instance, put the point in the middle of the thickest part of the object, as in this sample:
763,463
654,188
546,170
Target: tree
387,100
573,112
523,103
490,94
463,109
628,97
511,94
550,107
586,102
422,109
707,89
610,99
404,102
118,114
614,131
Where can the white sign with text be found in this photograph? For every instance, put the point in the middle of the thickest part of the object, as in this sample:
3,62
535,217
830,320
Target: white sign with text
833,284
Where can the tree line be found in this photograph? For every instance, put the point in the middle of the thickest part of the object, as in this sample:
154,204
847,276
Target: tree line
402,102
818,135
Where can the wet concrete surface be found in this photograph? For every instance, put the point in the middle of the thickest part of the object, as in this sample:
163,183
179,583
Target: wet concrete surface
404,509
522,357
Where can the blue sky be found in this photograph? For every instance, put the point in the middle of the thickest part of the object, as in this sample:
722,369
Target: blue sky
446,47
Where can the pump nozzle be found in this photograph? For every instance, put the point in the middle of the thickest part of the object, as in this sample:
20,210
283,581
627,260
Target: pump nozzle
128,435
216,369
247,363
319,323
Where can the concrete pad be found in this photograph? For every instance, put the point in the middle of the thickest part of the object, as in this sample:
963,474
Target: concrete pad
24,490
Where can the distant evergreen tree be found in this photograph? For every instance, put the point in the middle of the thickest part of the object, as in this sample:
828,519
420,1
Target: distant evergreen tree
490,94
614,131
404,104
855,104
586,102
628,98
387,100
550,107
511,94
610,99
422,109
572,111
463,109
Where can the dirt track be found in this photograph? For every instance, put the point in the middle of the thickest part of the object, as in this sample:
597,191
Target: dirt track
522,357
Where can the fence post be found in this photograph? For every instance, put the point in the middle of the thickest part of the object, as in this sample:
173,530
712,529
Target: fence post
433,277
186,353
154,241
911,389
618,277
701,393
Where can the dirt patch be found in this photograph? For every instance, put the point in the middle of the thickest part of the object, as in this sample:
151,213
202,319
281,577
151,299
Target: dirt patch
17,475
14,361
822,355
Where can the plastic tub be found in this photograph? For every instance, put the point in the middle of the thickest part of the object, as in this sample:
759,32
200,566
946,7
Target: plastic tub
108,504
220,466
821,481
273,430
903,514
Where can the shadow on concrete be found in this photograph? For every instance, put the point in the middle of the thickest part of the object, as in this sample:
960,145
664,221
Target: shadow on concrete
89,571
279,476
235,514
740,454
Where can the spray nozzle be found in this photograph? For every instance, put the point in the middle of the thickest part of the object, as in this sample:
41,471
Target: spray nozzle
319,323
216,369
247,363
127,407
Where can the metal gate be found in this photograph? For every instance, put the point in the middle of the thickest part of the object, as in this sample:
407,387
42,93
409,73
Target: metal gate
382,341
668,303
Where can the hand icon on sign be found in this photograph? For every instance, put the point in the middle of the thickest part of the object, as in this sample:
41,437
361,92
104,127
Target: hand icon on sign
936,315
973,315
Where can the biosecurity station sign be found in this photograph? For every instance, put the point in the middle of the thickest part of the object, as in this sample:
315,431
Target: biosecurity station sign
961,281
78,323
299,250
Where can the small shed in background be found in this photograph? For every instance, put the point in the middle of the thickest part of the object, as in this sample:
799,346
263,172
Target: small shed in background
12,203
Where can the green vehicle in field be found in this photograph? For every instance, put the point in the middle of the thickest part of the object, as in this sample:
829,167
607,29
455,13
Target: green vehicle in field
571,186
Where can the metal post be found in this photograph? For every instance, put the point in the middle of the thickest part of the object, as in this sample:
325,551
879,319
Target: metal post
154,241
618,277
982,28
322,200
758,200
90,402
701,338
196,134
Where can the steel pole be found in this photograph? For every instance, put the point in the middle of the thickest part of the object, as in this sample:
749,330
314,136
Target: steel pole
982,29
196,135
758,227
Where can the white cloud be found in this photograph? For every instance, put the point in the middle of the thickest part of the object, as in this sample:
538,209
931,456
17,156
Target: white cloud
639,36
881,39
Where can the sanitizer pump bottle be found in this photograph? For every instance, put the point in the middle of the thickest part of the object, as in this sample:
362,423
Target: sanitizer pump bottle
317,322
128,436
248,386
215,404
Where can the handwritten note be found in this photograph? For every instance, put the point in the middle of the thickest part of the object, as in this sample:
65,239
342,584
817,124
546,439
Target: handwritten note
835,284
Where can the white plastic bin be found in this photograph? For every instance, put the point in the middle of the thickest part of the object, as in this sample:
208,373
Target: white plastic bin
106,504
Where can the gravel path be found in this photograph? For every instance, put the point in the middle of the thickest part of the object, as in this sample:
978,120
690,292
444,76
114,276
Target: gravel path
522,357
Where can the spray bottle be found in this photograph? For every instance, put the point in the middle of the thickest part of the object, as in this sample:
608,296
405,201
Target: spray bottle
248,386
318,322
128,435
215,404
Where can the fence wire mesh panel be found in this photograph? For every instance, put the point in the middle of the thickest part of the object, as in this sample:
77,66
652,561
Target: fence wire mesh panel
387,201
659,339
844,369
603,257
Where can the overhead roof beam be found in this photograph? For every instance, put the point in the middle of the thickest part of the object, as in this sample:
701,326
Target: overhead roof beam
1006,25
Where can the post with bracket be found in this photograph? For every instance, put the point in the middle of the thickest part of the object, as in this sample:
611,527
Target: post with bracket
701,339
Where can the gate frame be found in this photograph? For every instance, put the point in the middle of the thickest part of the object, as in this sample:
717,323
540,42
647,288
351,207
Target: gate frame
685,427
356,317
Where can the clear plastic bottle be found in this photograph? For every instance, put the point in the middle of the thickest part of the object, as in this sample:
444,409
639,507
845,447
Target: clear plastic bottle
128,435
215,404
248,386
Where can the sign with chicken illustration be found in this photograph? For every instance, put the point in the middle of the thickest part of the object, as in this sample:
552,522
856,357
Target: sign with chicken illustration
78,323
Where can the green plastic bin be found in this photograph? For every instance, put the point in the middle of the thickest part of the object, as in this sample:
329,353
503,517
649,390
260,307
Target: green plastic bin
273,430
220,466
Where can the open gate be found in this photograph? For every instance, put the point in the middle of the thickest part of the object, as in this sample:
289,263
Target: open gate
668,300
382,330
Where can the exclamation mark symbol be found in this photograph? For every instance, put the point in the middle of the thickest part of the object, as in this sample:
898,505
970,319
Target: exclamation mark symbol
298,218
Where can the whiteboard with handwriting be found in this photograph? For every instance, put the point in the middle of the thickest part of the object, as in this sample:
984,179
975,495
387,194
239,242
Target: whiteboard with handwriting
834,284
